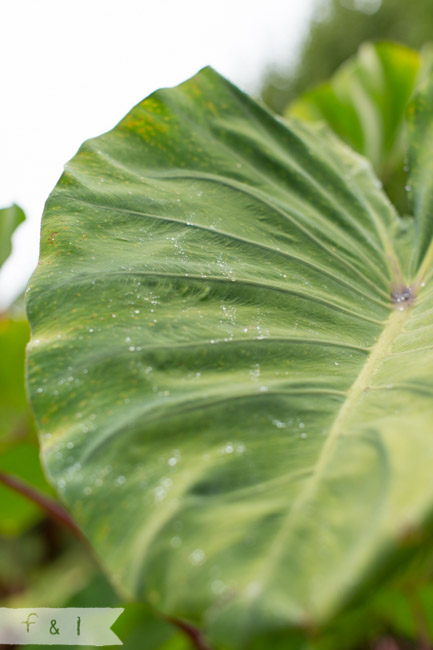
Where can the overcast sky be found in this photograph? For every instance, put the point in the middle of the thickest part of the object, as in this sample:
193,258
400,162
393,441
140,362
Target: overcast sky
72,70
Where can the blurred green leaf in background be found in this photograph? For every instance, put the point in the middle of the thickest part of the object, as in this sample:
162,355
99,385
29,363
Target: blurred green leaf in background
19,451
365,103
337,29
10,218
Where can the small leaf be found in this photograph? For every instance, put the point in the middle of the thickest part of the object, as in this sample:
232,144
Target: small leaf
10,218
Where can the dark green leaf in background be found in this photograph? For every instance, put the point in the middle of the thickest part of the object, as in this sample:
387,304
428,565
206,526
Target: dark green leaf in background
337,28
365,103
19,452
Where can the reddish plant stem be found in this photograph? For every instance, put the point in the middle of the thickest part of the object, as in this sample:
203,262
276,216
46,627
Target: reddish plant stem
420,618
59,514
191,632
50,506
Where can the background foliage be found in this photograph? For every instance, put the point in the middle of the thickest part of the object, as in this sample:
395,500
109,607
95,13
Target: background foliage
337,30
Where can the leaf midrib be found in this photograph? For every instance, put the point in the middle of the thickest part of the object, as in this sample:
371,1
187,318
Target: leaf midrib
393,327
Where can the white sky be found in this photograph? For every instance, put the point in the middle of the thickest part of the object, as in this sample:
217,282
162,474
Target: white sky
71,70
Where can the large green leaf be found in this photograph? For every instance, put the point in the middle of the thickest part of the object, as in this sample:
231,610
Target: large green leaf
365,104
231,360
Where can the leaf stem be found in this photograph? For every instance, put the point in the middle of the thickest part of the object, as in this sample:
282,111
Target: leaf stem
49,505
420,619
191,632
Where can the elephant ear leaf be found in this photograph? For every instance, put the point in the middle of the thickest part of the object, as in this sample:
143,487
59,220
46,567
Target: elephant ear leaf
231,359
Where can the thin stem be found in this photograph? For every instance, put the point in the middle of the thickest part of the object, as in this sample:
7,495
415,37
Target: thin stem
420,618
49,505
191,632
386,643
